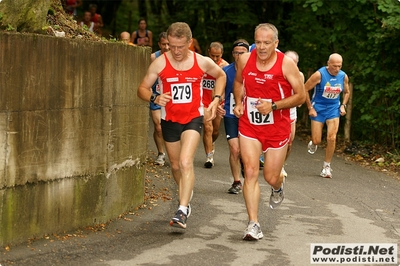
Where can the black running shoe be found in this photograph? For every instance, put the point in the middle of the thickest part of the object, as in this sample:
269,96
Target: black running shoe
179,220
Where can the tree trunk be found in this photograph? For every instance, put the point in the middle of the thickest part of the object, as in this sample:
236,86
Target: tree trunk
25,15
347,124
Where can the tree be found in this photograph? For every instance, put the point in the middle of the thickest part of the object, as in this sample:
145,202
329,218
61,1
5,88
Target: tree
24,15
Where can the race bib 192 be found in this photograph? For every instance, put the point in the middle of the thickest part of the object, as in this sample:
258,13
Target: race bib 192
255,117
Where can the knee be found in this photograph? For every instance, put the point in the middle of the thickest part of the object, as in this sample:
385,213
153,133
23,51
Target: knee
185,165
251,173
273,180
157,129
331,138
208,129
235,152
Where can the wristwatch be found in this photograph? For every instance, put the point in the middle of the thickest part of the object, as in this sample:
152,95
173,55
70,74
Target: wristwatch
274,106
217,96
345,105
153,97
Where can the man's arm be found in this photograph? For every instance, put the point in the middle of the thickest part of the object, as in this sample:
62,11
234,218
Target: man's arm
150,38
215,71
293,76
144,90
133,37
238,91
346,96
310,84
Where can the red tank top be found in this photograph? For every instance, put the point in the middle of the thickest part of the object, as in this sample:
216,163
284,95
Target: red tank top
268,85
95,18
185,90
208,85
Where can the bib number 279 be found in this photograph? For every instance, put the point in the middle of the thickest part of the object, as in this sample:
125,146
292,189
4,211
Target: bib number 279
181,93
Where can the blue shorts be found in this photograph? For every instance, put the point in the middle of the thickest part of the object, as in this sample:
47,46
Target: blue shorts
154,106
325,112
231,127
172,131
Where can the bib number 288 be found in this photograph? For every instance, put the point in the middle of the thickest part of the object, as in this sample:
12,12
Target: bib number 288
181,93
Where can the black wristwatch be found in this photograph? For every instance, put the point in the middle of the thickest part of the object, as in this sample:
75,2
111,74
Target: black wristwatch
217,96
153,97
273,106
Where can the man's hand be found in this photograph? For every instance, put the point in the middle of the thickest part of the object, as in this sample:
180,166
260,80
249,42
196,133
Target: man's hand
163,99
264,107
312,112
220,110
238,110
213,109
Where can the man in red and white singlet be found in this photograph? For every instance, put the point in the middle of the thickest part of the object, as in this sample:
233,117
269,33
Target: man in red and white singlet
263,94
179,72
211,128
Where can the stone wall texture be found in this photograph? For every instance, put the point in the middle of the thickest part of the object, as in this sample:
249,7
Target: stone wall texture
73,133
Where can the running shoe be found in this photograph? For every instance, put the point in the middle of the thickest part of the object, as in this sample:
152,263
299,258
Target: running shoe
236,188
253,232
209,163
312,148
284,172
160,159
179,220
189,212
276,198
326,172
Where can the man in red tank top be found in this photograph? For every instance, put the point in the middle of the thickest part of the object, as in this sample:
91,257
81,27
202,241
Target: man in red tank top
179,73
211,128
96,19
263,88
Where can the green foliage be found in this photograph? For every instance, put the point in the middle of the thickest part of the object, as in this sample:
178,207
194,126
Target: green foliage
10,27
365,32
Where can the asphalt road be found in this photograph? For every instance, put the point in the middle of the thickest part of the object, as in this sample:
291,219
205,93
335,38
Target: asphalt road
357,205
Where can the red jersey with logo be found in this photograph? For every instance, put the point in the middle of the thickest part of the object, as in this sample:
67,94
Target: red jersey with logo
208,85
185,90
270,86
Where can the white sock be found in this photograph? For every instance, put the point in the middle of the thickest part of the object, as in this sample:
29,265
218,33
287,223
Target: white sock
184,209
327,164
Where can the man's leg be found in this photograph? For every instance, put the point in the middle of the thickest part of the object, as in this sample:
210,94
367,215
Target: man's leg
332,129
181,155
292,135
174,151
157,134
250,153
274,159
216,123
316,132
207,140
234,158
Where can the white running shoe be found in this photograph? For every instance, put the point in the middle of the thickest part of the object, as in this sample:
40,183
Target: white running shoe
326,172
253,232
312,148
209,163
160,159
284,172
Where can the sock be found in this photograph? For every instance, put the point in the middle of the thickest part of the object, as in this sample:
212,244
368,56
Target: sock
184,209
279,190
327,164
237,182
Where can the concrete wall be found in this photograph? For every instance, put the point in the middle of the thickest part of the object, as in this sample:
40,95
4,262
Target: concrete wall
73,134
